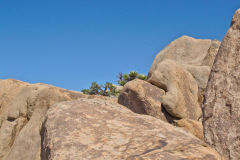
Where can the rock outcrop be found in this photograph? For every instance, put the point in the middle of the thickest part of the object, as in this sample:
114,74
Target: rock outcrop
144,98
22,111
221,119
195,55
181,97
181,72
97,129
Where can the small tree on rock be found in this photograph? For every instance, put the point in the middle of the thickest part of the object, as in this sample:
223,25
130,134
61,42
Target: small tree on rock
124,78
107,90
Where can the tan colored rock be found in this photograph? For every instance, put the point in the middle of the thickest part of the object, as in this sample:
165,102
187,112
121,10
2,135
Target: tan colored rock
144,98
221,118
97,129
181,97
188,50
195,55
192,126
211,54
22,110
118,88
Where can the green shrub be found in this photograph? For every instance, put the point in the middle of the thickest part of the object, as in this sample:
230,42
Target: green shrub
124,78
85,91
107,90
94,89
142,77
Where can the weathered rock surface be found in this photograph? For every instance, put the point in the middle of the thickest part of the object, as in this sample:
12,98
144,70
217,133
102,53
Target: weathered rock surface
144,98
192,126
22,110
118,88
221,118
181,97
98,129
195,55
191,51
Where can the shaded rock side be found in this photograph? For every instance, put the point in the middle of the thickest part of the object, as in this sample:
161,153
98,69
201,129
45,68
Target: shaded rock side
144,98
221,118
195,55
22,111
181,97
97,129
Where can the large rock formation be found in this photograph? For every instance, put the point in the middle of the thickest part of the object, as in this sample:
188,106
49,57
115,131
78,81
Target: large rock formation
181,98
181,70
22,110
144,98
222,106
97,129
195,55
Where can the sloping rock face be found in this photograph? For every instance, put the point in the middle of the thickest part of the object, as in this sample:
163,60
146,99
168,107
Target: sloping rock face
144,98
195,55
181,97
97,129
222,105
22,111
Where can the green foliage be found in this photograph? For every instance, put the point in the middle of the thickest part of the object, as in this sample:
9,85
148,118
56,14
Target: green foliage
132,75
122,83
142,77
124,78
94,89
85,91
107,90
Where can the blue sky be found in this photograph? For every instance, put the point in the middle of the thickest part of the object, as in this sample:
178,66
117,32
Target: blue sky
70,43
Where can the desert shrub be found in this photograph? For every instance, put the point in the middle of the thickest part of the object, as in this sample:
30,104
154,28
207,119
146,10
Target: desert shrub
142,77
108,89
85,91
94,88
124,78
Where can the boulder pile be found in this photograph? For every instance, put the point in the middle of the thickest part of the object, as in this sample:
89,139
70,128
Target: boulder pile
175,85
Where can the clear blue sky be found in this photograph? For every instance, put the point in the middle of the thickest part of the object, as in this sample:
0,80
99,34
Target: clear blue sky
70,43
